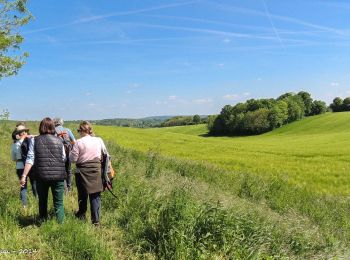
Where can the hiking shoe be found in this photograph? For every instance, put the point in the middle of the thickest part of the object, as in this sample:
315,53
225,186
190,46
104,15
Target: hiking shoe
80,216
96,224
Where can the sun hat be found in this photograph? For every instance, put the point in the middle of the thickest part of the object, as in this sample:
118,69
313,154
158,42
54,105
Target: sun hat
21,129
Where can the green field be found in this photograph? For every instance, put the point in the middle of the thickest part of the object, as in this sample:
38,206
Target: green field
183,195
312,152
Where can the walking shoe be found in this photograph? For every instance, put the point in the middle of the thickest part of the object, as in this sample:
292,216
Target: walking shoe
80,216
96,224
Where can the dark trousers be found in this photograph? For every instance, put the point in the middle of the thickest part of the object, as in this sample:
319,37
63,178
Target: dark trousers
57,189
95,203
23,191
69,174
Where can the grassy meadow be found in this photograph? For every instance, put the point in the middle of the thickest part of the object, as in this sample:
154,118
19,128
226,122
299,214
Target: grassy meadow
183,195
312,153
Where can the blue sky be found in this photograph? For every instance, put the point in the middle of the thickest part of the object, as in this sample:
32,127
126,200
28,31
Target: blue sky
106,59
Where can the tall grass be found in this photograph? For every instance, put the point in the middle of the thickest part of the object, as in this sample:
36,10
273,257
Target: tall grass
168,208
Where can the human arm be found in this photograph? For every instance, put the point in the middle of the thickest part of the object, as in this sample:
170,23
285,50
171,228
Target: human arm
103,147
71,136
74,153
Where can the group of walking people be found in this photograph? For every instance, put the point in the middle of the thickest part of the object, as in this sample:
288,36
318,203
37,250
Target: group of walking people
46,161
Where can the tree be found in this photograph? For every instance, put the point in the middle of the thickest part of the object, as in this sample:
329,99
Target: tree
5,115
346,104
296,108
306,97
278,114
337,105
256,122
318,107
13,15
196,119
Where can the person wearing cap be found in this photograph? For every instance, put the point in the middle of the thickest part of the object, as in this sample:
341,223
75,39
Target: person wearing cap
68,140
47,154
21,135
87,154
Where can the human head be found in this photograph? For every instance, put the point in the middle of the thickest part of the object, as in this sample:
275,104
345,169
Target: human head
20,131
47,126
58,121
85,128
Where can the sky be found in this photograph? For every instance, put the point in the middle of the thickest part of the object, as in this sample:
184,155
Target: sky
107,59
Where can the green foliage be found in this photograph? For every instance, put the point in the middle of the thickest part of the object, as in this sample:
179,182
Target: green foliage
262,115
307,100
183,120
256,122
346,104
13,15
127,122
196,119
5,116
318,107
337,105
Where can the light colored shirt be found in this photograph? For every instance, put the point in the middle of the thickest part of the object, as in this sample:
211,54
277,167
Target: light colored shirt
61,129
31,154
86,149
16,154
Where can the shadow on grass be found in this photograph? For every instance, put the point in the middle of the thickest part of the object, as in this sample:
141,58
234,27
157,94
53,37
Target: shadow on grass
26,221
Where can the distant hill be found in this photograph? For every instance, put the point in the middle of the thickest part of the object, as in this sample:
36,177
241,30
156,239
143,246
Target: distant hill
153,121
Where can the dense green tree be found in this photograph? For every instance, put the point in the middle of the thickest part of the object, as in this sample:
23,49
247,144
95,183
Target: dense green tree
196,119
13,15
296,107
307,100
256,122
257,116
346,104
318,107
278,115
286,95
337,105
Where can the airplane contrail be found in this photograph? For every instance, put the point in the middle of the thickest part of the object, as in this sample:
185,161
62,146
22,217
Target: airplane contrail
115,14
272,23
279,17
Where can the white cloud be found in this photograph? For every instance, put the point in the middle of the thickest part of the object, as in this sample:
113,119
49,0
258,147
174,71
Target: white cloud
134,85
335,84
202,101
227,40
246,94
231,96
172,98
92,104
221,65
87,94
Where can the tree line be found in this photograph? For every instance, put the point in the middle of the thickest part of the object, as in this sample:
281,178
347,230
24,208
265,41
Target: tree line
184,120
257,116
340,105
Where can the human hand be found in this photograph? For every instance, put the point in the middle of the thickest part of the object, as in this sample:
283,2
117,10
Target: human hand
23,180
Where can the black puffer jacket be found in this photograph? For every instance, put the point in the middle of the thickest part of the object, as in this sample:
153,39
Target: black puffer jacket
49,164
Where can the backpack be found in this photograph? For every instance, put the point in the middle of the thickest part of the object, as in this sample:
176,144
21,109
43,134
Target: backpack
64,136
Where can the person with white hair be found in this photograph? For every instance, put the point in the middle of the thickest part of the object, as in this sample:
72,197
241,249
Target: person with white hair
68,140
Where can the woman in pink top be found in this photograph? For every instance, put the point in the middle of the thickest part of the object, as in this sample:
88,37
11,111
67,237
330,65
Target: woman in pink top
86,153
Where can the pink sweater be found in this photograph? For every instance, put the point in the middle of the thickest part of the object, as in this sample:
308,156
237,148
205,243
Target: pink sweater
86,149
